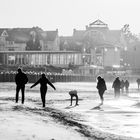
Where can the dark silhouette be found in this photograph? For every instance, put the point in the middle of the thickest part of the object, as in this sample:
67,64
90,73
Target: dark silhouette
21,79
101,86
138,82
122,86
73,93
117,85
126,84
43,87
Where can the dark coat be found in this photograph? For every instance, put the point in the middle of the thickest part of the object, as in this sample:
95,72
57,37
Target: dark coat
43,83
101,85
138,81
21,79
126,84
116,84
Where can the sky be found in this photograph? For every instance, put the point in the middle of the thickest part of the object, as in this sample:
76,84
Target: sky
65,15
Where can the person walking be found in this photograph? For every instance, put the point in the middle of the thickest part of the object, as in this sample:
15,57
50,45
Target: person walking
126,84
20,79
138,82
43,81
101,86
122,86
117,85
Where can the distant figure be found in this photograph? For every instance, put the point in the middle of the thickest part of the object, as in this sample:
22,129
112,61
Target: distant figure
43,87
138,82
126,84
21,79
73,93
117,85
101,86
122,86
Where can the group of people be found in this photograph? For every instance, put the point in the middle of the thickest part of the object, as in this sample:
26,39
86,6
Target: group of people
21,80
120,86
117,85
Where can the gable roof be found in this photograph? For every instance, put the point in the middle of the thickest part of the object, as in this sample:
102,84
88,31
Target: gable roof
97,22
22,35
4,33
2,30
19,35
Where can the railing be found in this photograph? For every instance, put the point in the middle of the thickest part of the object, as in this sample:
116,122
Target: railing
53,77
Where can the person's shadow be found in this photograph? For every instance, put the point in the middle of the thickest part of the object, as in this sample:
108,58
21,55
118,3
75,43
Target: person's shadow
69,107
98,107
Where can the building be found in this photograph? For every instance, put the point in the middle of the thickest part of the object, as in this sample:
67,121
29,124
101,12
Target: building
40,59
21,39
98,44
50,41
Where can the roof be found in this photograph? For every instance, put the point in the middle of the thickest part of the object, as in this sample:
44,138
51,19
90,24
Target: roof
109,36
51,35
22,35
97,22
18,35
3,29
79,34
67,41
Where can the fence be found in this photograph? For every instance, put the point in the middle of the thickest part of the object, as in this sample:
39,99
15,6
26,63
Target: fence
53,77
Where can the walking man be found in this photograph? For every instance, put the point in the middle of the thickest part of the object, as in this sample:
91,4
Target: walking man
138,82
21,79
101,86
43,81
117,85
126,84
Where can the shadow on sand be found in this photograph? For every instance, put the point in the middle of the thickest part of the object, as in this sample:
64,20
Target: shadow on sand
69,107
98,107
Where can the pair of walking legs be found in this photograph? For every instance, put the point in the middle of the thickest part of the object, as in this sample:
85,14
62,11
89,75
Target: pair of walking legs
43,92
101,93
18,88
43,96
117,93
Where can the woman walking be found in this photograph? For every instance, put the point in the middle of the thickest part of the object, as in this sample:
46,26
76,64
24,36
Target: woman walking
117,86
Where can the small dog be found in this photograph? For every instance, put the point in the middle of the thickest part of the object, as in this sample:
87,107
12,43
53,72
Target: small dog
73,93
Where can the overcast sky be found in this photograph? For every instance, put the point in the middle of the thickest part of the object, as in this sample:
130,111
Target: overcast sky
69,14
